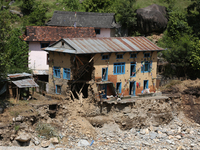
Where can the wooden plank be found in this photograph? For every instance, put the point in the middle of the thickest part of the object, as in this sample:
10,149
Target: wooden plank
79,60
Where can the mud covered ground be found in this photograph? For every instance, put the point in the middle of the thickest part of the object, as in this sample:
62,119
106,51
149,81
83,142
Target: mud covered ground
166,123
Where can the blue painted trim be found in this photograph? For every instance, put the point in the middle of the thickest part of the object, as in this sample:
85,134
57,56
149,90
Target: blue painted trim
134,69
56,69
57,88
134,84
142,68
105,74
147,85
123,71
120,86
65,72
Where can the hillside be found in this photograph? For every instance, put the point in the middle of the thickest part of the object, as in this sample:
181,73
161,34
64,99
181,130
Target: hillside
53,5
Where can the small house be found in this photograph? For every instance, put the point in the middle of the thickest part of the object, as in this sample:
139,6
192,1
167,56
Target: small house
122,65
104,23
39,37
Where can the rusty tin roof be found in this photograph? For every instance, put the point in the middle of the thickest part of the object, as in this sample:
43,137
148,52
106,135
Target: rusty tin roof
106,45
18,75
24,83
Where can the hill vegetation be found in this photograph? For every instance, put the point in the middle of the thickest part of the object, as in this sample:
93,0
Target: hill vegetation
181,38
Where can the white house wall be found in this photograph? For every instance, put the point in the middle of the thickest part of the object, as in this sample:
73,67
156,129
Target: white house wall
104,33
37,57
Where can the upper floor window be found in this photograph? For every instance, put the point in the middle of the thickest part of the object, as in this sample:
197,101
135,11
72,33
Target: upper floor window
43,45
105,57
146,65
133,55
97,31
56,72
119,68
119,56
66,73
133,69
146,55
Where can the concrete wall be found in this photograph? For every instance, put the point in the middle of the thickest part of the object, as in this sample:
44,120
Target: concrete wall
140,77
37,57
58,60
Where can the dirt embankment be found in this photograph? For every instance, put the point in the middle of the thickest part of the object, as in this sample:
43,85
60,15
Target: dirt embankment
189,91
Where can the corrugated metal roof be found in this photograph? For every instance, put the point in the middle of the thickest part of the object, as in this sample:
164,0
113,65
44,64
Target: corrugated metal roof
106,45
41,72
25,83
18,75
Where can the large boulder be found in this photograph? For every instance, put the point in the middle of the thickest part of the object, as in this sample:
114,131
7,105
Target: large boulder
152,19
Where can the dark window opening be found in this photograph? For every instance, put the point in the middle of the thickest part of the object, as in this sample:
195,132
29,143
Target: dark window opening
1,138
105,57
119,56
63,44
133,55
43,45
52,115
119,87
133,69
146,55
97,31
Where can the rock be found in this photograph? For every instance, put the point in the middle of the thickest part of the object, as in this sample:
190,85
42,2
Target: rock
152,19
54,140
83,143
16,12
18,119
36,141
178,137
1,109
23,137
11,2
170,142
152,135
142,131
45,144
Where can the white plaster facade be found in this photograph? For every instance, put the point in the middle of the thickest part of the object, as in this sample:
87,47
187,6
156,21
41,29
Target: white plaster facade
37,57
106,32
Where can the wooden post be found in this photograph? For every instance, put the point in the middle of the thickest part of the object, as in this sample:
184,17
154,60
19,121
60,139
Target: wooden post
17,93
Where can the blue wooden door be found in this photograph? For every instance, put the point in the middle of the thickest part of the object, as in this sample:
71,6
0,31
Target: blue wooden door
146,84
104,74
132,88
104,88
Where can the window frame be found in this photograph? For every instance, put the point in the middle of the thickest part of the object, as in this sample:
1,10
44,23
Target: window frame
131,71
97,31
119,55
121,64
54,72
133,54
65,72
143,67
119,88
57,89
149,55
105,58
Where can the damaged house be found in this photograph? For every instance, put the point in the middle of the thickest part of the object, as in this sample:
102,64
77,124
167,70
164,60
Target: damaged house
115,65
39,37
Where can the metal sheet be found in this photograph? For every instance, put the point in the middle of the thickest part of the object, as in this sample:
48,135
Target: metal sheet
25,83
106,45
18,75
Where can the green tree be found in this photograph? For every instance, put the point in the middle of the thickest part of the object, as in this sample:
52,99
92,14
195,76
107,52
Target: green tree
73,5
27,6
126,15
98,5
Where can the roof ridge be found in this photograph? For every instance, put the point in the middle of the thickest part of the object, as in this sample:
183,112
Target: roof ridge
85,13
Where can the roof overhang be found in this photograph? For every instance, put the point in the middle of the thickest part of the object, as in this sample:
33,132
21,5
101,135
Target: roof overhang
25,83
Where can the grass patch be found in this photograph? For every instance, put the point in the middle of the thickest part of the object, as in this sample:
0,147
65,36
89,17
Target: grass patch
171,84
46,130
17,127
